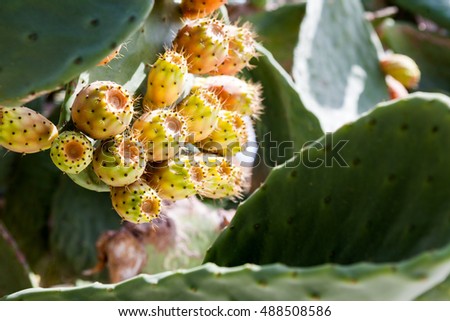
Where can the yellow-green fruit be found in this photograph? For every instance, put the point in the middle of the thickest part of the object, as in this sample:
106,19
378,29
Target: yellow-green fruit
172,180
102,110
204,43
166,80
219,177
402,68
23,130
120,161
71,152
195,9
161,132
242,49
234,94
200,110
228,137
137,202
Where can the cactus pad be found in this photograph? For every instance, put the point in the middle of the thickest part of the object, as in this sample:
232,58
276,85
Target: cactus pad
65,38
351,196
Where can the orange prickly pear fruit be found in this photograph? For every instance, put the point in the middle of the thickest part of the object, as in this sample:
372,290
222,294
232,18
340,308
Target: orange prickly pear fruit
195,9
234,94
242,48
204,43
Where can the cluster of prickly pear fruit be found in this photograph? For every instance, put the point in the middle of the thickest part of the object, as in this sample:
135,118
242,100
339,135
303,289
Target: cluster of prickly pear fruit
193,102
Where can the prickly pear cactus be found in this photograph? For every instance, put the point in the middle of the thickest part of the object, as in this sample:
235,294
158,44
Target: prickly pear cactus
357,198
364,281
65,39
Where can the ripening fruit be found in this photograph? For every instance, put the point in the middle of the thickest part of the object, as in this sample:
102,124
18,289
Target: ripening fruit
228,137
71,152
166,80
161,132
23,130
200,110
242,48
119,161
401,68
195,9
110,57
204,43
102,109
234,94
137,202
171,180
220,178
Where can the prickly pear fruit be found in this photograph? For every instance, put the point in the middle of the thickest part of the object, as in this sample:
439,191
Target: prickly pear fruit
220,178
110,57
172,180
119,161
228,137
242,48
234,94
166,80
137,202
195,9
161,132
102,109
200,109
401,68
395,88
71,152
23,130
204,43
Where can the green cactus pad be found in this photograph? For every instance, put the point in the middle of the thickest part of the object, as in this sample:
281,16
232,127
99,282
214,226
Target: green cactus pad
384,200
65,37
363,281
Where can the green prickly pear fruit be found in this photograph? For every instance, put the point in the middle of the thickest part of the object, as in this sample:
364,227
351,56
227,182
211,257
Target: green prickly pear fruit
23,130
242,48
195,9
172,180
102,110
219,177
228,137
204,43
402,68
120,161
110,57
161,132
234,94
137,202
71,152
200,109
166,80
